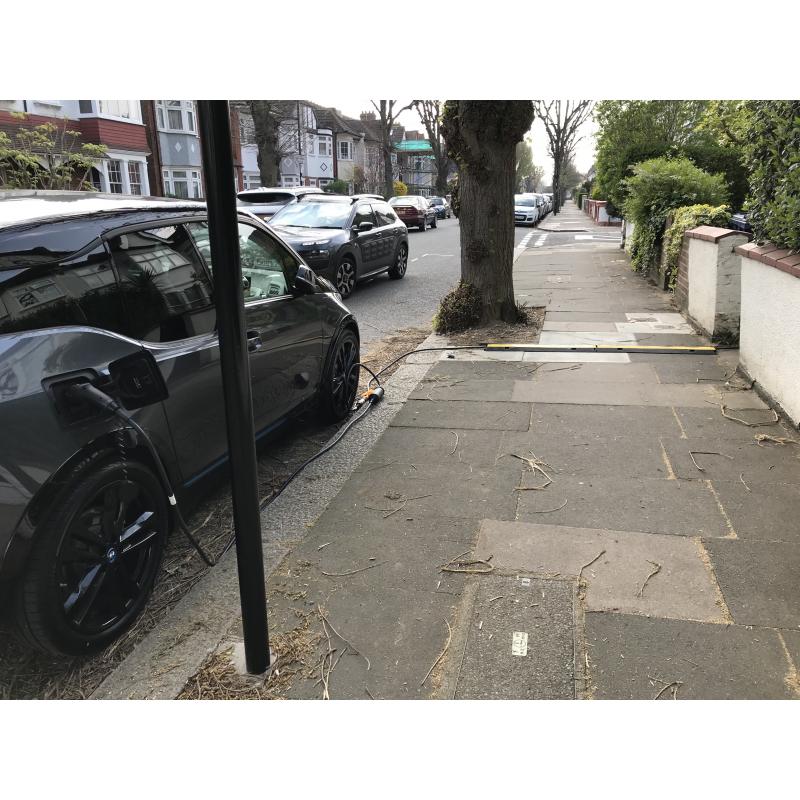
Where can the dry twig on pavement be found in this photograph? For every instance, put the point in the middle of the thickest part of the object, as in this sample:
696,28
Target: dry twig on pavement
745,422
589,564
654,572
346,641
765,437
441,655
675,685
352,572
741,478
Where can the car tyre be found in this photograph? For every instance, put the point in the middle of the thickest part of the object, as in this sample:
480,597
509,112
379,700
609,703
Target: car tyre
423,226
434,223
397,271
345,278
95,558
340,379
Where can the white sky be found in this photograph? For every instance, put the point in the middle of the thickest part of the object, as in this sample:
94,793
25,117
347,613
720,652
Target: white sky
584,152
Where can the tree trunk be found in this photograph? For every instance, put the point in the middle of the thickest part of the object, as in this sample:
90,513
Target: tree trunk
482,138
388,180
557,184
441,176
266,135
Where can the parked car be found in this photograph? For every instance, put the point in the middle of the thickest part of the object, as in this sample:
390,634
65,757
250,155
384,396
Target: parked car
118,292
739,222
345,239
370,197
414,210
526,209
266,202
441,207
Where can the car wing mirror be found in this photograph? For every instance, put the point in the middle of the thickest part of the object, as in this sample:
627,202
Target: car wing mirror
304,281
363,226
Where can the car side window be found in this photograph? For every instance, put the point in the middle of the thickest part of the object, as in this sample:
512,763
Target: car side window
83,291
165,289
363,214
384,214
268,269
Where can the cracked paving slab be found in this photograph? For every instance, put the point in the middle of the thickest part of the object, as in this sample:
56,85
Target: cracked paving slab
682,588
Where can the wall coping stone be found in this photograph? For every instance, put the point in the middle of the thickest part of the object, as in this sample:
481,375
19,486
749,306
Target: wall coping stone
708,233
785,260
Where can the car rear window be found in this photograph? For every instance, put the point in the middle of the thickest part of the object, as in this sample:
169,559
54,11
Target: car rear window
265,197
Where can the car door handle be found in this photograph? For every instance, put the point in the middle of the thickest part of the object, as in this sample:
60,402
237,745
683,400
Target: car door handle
253,341
378,235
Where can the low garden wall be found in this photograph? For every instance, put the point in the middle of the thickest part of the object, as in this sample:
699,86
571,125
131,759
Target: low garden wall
711,280
769,333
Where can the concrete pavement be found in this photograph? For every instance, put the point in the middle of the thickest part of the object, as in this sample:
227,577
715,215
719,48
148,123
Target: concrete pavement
628,540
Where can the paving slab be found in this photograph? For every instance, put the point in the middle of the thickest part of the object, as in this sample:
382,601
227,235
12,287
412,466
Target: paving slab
684,368
654,327
481,355
761,510
683,587
728,459
759,580
683,508
701,423
637,421
466,389
457,490
585,316
449,371
595,372
433,446
589,453
634,658
576,358
689,395
556,325
463,415
520,641
400,631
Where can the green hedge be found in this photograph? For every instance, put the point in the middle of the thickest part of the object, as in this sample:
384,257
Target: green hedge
657,187
684,219
772,154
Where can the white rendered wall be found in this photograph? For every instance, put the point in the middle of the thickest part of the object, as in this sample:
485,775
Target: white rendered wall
769,337
703,283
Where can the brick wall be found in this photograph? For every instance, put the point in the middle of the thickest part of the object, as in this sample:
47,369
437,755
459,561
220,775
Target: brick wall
114,135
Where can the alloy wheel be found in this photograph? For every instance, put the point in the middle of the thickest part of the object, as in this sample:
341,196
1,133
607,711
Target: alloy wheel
107,557
345,278
401,262
344,378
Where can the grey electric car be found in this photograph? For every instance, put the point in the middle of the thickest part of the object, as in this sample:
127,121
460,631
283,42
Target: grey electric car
119,293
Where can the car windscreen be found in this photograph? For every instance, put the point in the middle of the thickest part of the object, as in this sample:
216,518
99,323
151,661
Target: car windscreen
313,215
436,201
524,201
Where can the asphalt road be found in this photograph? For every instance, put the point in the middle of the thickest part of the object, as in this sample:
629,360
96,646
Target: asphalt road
383,306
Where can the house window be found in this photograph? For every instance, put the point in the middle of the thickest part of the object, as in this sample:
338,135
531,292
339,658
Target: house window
124,109
175,115
252,180
135,177
290,180
114,171
85,107
184,183
325,146
345,151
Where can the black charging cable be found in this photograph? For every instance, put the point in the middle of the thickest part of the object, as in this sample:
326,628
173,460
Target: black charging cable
91,394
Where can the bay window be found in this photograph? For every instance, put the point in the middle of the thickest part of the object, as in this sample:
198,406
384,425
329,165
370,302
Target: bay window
176,115
183,183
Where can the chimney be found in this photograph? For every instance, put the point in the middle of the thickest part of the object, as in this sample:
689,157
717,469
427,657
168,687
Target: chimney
367,116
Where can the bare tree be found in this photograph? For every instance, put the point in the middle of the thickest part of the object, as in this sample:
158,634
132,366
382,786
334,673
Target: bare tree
387,117
481,138
430,112
276,134
562,120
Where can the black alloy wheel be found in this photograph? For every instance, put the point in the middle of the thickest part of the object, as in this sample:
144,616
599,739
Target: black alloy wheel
346,276
338,391
397,271
423,226
435,222
95,563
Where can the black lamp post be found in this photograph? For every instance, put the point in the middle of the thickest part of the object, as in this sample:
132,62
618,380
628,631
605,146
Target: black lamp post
223,228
